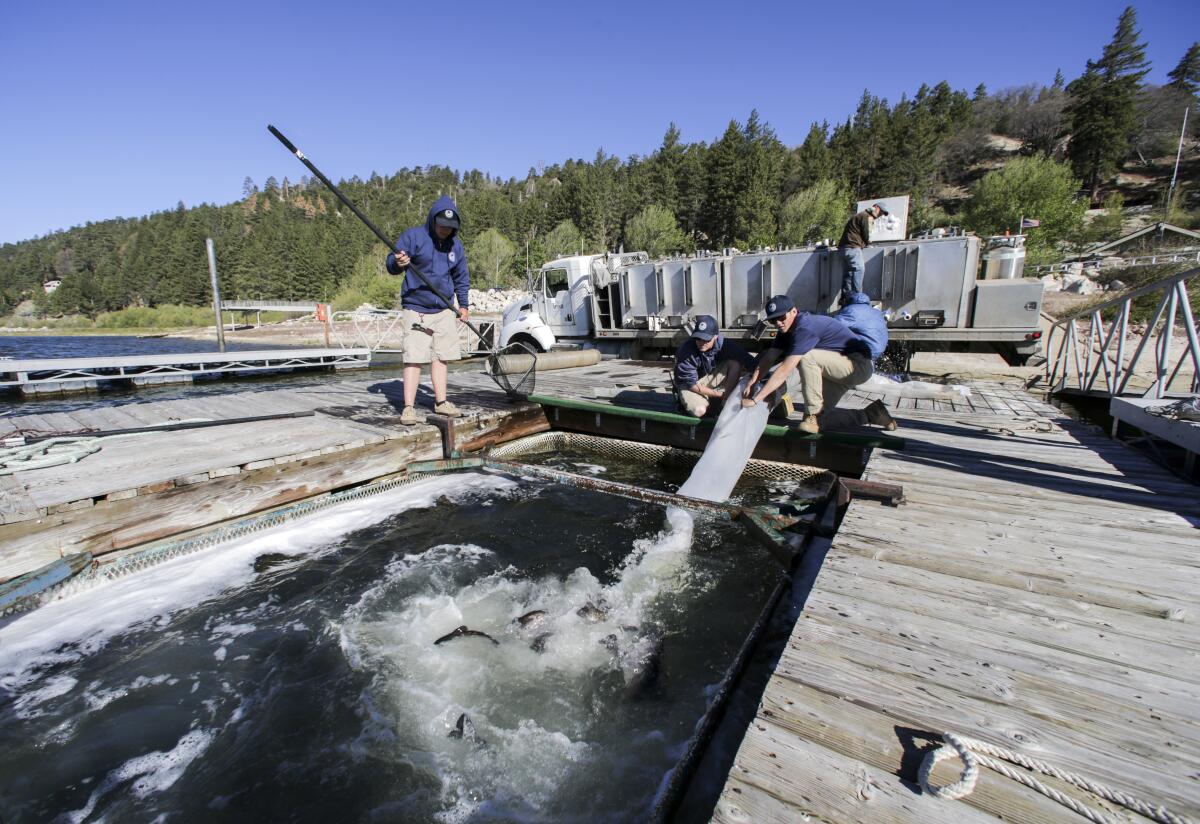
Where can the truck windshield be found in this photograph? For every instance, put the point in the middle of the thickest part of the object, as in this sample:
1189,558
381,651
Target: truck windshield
555,281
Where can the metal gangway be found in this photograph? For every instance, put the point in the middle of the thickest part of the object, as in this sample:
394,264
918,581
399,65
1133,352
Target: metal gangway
1092,345
1150,406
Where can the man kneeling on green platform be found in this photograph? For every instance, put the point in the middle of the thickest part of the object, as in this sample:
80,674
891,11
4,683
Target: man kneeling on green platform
830,359
707,367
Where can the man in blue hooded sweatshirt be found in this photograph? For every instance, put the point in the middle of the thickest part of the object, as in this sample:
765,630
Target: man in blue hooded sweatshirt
430,328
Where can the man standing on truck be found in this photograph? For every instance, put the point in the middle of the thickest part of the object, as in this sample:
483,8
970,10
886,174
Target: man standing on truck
707,367
832,360
429,324
856,237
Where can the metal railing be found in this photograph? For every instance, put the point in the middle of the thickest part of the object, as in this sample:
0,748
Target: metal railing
1069,368
299,306
381,330
1121,263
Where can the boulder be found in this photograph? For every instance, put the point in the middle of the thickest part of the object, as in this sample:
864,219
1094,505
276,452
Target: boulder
1079,285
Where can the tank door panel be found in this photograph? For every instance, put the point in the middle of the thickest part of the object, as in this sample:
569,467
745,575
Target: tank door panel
700,284
933,277
748,284
807,276
676,294
639,295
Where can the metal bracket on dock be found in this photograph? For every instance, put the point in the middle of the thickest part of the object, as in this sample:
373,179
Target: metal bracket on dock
890,494
449,437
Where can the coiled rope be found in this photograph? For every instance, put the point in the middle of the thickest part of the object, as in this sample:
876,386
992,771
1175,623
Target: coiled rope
975,753
46,453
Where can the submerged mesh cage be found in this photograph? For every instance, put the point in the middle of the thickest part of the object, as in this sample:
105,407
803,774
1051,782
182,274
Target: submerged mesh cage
514,369
644,452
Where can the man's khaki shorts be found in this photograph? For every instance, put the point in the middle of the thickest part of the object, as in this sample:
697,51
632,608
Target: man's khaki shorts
422,347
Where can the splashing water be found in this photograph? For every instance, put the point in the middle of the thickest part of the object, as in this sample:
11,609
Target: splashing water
313,689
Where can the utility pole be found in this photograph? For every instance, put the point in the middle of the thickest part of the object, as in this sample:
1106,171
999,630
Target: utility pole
216,290
1175,174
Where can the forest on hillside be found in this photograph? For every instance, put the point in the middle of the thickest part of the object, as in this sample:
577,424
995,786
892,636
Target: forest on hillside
976,159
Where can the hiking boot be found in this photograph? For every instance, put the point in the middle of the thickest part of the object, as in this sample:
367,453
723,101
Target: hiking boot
878,415
809,425
783,410
409,416
448,409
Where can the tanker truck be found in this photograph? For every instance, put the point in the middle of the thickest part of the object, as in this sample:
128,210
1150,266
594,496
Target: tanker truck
928,288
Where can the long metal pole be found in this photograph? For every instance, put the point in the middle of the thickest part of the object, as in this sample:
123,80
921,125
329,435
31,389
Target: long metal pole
378,232
216,290
1174,174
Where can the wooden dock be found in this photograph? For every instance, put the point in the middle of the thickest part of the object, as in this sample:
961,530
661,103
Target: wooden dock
1037,591
145,486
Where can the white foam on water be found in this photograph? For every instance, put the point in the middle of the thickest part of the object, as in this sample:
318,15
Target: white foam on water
535,711
28,700
150,773
76,627
98,699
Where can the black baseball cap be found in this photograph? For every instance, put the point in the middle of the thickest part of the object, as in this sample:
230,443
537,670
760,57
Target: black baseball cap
879,206
779,306
448,218
706,328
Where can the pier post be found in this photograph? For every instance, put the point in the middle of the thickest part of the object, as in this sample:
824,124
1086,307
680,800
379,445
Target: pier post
216,291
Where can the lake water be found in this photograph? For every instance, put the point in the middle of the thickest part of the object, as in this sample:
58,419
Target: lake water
104,346
294,675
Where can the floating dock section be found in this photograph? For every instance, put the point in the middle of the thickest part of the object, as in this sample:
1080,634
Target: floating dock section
57,375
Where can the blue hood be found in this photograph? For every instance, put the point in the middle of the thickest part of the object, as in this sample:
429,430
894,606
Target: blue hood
442,204
865,322
443,262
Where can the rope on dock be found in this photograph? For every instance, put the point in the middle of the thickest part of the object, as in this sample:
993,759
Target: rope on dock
51,452
973,753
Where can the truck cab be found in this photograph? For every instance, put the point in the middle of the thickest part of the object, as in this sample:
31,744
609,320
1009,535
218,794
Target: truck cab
558,305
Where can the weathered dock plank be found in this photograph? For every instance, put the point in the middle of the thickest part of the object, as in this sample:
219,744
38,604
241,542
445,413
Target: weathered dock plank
1037,591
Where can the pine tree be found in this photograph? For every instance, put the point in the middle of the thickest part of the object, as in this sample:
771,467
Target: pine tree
756,208
1103,107
810,162
1186,76
720,197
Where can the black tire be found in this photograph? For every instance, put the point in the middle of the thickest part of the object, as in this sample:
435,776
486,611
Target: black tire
528,340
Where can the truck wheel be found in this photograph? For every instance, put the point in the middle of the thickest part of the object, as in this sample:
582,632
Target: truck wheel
528,340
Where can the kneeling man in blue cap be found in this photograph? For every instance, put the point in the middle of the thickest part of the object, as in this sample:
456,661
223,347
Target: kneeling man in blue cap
830,358
707,367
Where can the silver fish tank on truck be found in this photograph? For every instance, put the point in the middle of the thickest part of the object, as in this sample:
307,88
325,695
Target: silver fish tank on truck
929,288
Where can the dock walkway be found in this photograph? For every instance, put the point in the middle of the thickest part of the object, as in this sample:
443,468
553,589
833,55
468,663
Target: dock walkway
1037,591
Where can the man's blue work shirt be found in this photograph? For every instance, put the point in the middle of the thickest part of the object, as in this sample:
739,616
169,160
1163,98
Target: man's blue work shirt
691,364
810,332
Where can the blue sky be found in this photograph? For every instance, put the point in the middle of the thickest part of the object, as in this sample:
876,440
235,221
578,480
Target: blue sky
125,108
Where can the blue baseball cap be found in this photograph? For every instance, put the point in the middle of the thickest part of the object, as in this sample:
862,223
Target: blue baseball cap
779,306
706,328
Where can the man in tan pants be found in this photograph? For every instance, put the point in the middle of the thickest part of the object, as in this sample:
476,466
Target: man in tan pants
830,359
430,321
